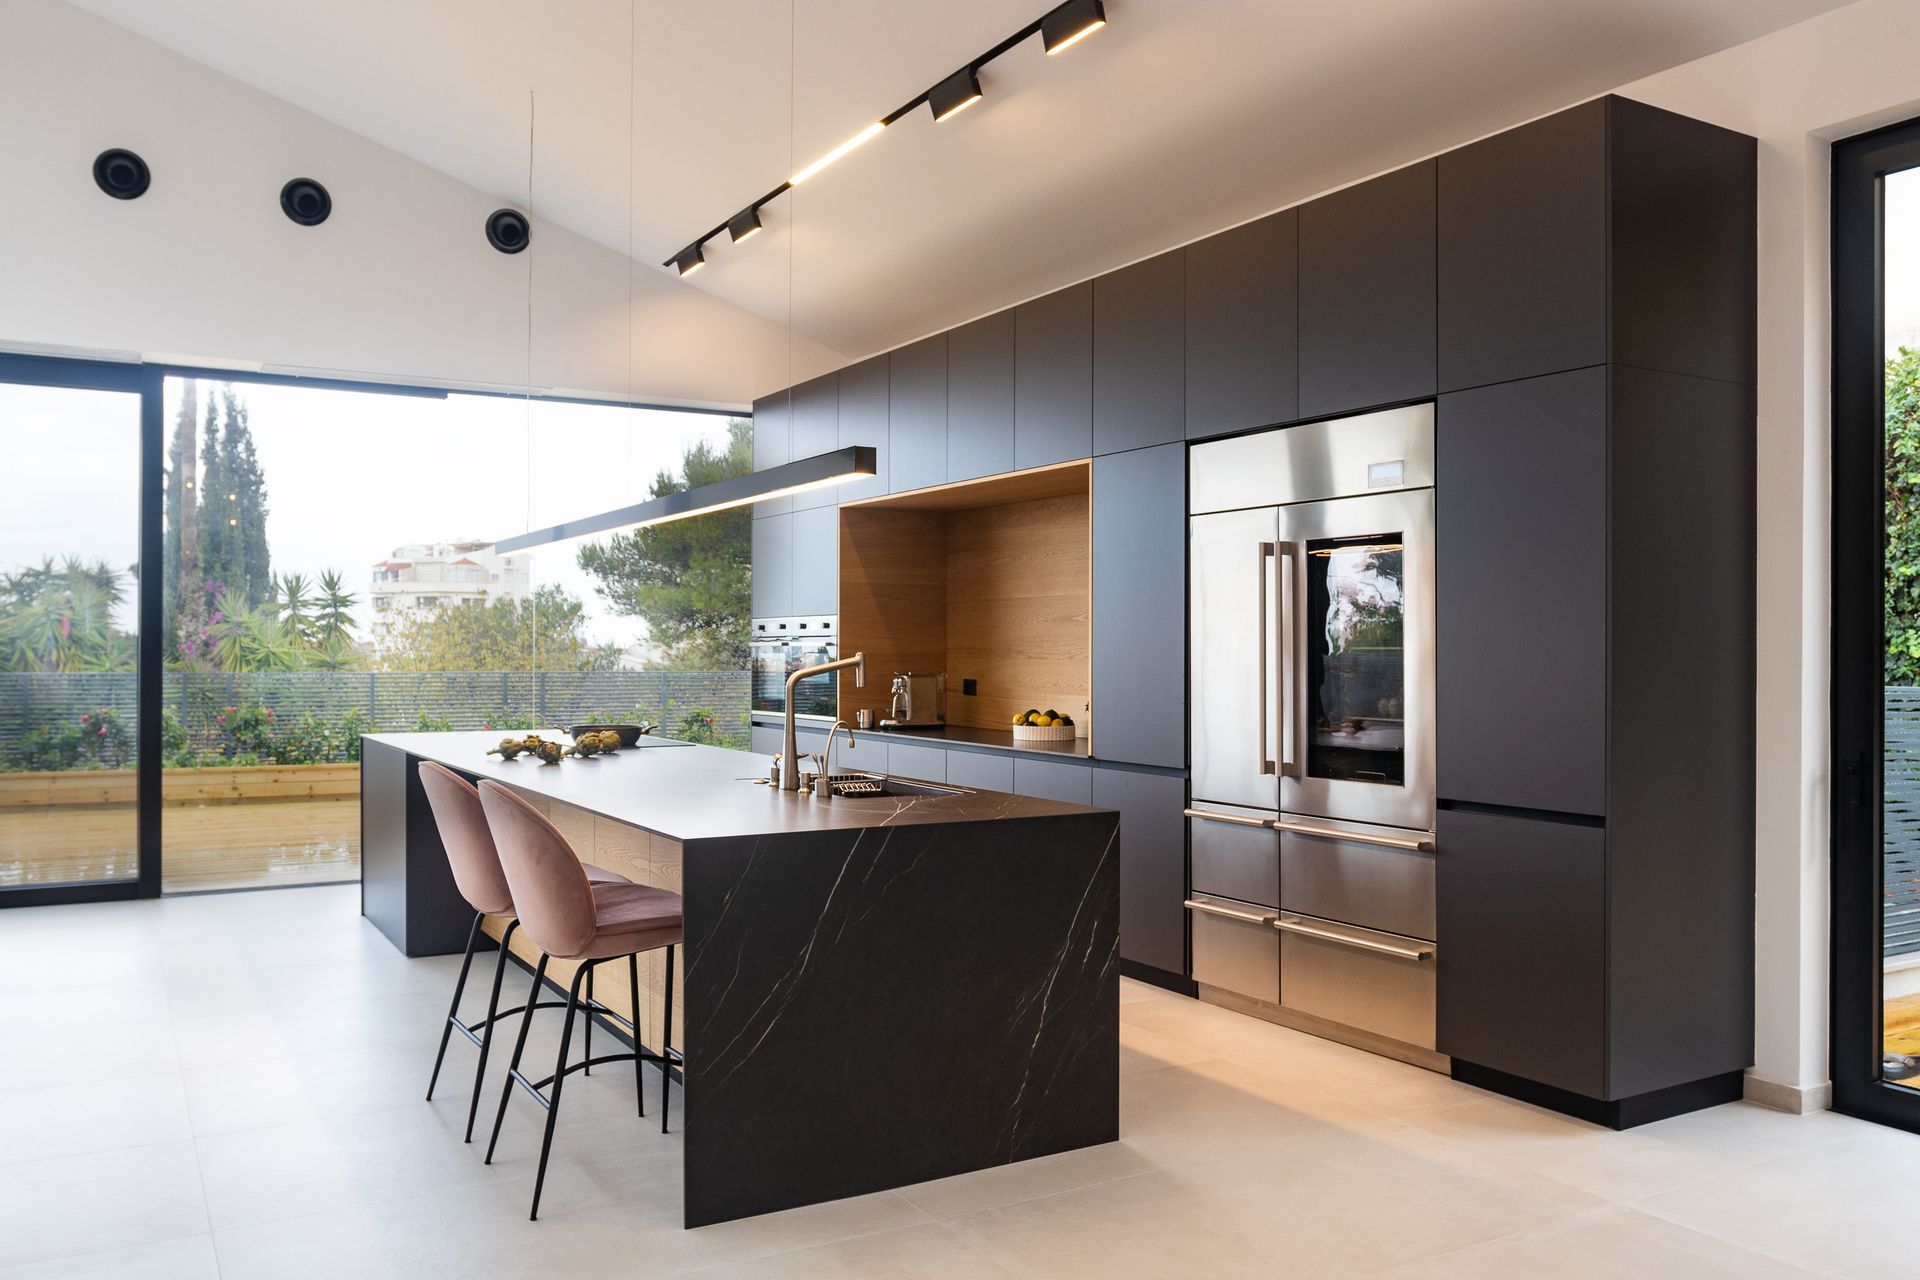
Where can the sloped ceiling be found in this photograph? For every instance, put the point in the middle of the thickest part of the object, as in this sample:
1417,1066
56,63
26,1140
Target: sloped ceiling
641,124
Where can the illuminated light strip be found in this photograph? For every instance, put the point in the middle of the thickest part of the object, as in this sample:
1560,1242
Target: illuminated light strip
855,462
864,135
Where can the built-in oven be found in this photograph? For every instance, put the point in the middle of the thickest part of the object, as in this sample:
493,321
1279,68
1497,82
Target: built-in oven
781,646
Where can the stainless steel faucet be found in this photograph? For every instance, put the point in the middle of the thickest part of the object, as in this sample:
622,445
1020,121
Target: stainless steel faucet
826,757
790,776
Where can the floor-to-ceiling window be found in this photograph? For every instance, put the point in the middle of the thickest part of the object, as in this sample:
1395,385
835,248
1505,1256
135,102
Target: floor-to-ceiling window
69,634
1876,627
324,565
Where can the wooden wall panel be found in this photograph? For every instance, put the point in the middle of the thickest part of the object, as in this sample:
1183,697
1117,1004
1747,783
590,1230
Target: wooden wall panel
1019,610
893,598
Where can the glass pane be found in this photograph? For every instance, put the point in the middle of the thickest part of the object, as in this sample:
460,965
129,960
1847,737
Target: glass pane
1356,667
69,559
1900,854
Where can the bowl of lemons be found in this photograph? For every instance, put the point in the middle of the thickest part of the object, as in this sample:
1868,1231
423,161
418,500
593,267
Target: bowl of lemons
1043,726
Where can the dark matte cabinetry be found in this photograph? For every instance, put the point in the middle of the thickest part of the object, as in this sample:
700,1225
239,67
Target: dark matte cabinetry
1520,538
1139,622
863,420
1243,327
980,398
1594,544
917,415
1635,220
815,430
1053,378
1153,863
1139,354
1367,283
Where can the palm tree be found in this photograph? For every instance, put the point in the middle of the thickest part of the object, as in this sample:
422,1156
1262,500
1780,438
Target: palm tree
333,620
61,618
291,602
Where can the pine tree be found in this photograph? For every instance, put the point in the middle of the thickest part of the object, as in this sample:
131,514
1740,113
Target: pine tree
216,536
249,487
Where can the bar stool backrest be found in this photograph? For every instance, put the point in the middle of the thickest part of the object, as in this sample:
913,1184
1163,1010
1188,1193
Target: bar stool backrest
468,841
550,887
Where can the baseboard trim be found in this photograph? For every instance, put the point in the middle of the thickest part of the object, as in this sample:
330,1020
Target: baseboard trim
1794,1099
1166,980
1618,1113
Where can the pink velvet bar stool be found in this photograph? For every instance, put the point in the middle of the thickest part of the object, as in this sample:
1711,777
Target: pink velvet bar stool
571,918
477,874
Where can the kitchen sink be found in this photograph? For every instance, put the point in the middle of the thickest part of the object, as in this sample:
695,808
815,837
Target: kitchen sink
874,786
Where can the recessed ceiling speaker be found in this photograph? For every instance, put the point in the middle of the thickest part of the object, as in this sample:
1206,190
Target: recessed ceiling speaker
306,202
121,174
507,230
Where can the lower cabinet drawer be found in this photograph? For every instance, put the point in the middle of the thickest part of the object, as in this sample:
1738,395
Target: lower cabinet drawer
1377,982
980,769
1235,948
1370,885
767,738
1236,854
915,760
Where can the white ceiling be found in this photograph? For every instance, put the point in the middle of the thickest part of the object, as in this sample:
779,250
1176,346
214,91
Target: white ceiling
1182,117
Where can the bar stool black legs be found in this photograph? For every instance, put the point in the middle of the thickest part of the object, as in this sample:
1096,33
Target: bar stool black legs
479,1033
666,1042
538,1089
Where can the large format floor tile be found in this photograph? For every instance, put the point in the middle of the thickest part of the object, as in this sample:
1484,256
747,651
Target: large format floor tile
247,1101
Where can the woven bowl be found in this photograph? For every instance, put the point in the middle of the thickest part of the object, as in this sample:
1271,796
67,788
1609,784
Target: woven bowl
1044,733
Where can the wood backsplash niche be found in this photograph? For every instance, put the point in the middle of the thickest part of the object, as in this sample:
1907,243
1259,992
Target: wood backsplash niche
954,581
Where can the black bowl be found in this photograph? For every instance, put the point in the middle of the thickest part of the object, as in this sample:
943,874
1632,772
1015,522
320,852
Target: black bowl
629,733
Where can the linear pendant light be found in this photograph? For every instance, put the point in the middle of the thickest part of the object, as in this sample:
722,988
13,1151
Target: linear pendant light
818,472
1060,28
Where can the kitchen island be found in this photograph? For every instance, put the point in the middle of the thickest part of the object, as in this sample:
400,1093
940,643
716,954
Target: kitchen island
877,991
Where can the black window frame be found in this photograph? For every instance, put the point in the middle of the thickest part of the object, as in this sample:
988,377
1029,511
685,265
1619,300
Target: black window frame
1858,626
148,380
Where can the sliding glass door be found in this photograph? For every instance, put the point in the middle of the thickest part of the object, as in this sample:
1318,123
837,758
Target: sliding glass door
70,557
1875,1050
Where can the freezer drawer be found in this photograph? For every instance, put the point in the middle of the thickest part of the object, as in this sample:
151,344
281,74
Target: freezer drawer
1235,947
1356,881
1236,854
1377,982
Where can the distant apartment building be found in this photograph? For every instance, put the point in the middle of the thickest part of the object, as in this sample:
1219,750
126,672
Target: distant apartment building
444,575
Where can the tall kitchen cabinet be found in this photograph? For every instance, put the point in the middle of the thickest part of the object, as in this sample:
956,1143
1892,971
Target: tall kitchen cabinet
1594,561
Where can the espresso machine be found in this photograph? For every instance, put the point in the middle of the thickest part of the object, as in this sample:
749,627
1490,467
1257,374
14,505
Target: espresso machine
918,702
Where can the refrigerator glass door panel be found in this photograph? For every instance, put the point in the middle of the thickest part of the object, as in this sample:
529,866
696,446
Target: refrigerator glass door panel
1357,622
1236,725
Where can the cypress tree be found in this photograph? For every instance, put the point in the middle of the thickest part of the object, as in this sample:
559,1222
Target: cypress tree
181,584
216,535
249,487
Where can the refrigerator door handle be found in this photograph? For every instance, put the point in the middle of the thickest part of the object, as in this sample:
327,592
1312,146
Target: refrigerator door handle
1286,590
1236,819
1263,685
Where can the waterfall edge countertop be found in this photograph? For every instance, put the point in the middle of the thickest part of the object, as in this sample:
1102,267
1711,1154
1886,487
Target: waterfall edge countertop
874,992
686,791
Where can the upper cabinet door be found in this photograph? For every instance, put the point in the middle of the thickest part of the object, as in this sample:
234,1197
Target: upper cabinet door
1053,378
1243,327
816,430
863,420
917,415
1139,581
772,443
1139,354
816,560
773,566
1520,539
980,398
1523,251
1367,281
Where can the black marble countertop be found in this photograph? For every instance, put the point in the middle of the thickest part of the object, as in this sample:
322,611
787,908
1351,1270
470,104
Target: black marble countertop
689,792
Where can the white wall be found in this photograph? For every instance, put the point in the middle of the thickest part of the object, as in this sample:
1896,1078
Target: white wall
399,282
1796,91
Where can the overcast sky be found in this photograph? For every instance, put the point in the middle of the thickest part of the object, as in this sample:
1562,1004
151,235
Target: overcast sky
350,476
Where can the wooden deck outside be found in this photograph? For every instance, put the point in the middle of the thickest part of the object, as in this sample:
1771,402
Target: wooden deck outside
1900,1025
205,843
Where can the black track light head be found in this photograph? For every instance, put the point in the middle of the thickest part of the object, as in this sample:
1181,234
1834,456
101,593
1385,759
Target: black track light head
121,174
954,94
744,225
1071,23
306,202
508,230
689,260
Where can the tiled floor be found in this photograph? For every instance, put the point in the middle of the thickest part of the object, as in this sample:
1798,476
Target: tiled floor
230,1086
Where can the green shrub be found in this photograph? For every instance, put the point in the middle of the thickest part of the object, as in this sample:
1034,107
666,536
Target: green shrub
96,739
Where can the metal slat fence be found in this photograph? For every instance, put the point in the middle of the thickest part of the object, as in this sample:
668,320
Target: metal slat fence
1900,914
382,701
